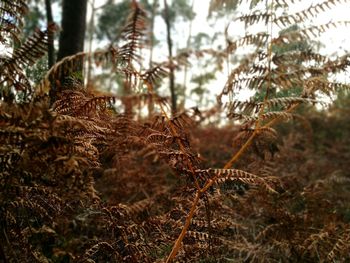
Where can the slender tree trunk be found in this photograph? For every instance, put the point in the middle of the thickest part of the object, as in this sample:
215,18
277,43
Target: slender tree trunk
187,48
151,35
73,28
91,34
51,47
171,66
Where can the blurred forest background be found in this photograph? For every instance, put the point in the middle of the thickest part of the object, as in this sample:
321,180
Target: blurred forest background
174,131
175,30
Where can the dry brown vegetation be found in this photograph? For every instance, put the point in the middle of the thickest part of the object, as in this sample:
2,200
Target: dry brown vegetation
81,182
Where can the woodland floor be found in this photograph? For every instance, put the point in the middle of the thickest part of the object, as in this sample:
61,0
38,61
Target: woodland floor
305,223
133,206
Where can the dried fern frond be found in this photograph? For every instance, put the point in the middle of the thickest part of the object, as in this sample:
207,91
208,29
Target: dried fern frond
109,57
341,247
180,161
154,74
255,18
177,122
92,252
258,39
282,115
137,208
289,37
265,141
133,33
291,57
33,48
315,31
236,108
12,68
239,82
197,238
285,102
247,109
222,175
158,138
292,19
285,2
96,104
314,84
337,65
68,65
11,21
70,101
308,13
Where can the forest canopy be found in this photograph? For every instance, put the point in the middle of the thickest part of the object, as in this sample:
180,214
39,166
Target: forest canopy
174,131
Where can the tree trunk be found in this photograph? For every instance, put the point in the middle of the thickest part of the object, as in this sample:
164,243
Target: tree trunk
73,28
72,37
150,64
51,48
151,32
91,36
188,44
171,64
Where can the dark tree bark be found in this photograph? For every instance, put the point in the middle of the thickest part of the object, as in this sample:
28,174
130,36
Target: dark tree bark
171,67
91,35
72,37
73,28
51,48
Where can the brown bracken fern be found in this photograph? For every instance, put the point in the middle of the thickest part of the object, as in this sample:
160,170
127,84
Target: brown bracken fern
87,177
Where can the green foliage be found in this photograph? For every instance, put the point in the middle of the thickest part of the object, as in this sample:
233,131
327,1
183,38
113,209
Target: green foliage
202,82
342,102
199,40
112,20
38,71
222,7
34,19
180,8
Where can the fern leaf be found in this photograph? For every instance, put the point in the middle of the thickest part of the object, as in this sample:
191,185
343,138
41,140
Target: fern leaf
101,247
308,13
285,102
133,33
11,21
154,74
246,107
258,39
34,48
266,116
238,175
255,18
342,245
12,68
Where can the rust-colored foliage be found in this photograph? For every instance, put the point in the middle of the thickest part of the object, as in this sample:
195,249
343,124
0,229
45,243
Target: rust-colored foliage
86,179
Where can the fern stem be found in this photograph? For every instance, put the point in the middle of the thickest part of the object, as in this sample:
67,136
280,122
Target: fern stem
261,112
174,133
227,165
189,217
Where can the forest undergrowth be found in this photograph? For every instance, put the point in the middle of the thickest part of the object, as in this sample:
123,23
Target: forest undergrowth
85,177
